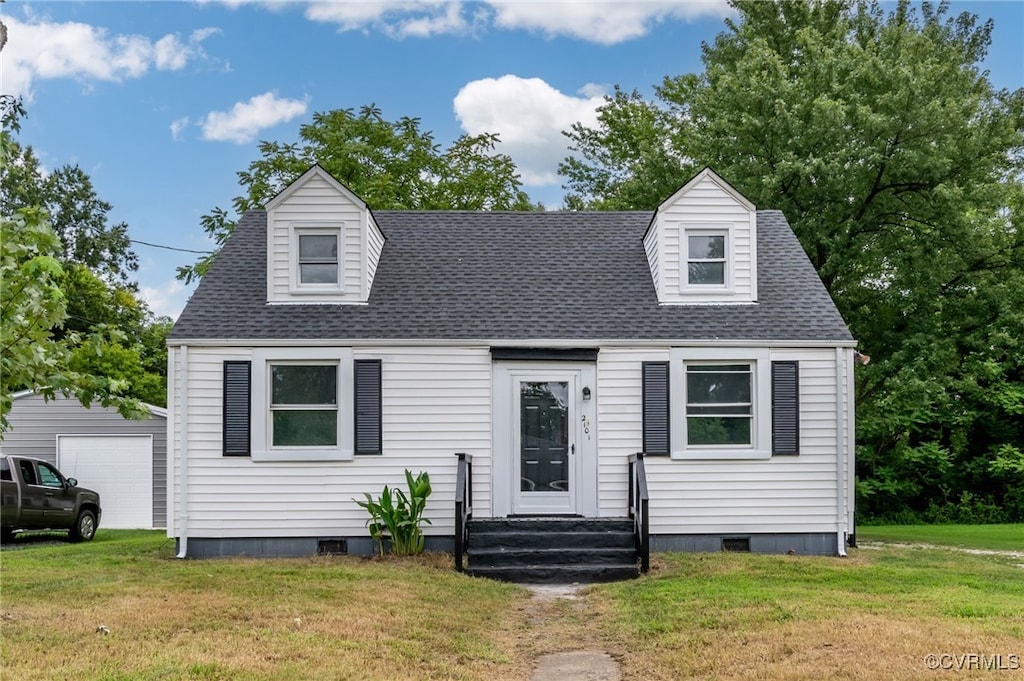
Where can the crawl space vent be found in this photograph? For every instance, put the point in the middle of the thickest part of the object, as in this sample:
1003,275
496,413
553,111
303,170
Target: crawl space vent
331,547
736,544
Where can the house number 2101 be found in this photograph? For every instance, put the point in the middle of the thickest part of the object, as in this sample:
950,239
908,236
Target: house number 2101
585,420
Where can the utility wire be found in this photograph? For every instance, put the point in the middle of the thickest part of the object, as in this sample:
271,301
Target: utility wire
168,248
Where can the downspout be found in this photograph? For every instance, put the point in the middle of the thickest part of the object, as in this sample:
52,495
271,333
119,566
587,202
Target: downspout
841,377
183,457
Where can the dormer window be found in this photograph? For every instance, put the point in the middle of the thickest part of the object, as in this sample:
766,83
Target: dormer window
316,260
706,252
701,245
706,261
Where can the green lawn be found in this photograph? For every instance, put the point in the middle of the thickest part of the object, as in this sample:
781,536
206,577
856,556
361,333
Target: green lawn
122,607
993,537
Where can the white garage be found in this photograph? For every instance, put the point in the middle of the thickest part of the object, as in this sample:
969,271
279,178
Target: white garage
120,468
124,460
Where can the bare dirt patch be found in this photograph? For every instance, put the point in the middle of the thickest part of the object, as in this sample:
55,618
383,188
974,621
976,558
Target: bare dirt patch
555,638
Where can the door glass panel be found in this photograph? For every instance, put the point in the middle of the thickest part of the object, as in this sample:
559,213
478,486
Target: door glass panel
544,436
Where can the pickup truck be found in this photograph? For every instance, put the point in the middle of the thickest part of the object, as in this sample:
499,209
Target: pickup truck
34,495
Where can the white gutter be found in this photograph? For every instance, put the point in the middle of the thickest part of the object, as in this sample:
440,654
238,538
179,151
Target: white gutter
841,375
183,456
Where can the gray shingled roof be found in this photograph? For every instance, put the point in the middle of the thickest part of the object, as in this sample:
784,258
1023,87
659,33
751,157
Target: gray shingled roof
507,276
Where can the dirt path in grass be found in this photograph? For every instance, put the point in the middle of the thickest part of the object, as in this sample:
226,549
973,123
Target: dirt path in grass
876,545
557,632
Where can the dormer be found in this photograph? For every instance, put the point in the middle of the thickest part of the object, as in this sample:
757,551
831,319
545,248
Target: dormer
323,244
702,244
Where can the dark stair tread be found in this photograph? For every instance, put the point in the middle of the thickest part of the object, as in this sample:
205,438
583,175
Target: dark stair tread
558,574
547,524
502,556
520,539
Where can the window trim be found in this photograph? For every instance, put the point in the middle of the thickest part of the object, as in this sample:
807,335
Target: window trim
262,430
724,229
760,396
299,229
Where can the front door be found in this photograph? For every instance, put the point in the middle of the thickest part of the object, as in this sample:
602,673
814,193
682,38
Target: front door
545,442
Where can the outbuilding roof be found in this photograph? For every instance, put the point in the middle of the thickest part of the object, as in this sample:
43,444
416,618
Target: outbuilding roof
507,276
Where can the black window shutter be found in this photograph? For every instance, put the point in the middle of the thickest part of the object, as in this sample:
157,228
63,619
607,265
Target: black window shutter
656,408
785,408
237,408
368,406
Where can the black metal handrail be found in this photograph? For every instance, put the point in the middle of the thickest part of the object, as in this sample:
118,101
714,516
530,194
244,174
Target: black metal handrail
638,499
463,506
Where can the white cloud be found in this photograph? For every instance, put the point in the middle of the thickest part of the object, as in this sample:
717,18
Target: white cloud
167,299
39,50
177,125
396,18
601,21
170,54
245,120
530,116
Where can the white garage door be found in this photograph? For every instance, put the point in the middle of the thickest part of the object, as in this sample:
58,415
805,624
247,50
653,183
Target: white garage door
120,468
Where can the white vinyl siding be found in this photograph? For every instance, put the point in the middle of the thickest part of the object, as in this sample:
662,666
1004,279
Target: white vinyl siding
374,247
653,249
703,205
314,201
619,421
436,402
778,494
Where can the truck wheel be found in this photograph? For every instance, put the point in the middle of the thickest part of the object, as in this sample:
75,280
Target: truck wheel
6,535
85,527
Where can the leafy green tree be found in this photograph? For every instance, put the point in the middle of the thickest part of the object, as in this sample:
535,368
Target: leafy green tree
76,214
389,164
898,165
140,357
101,343
32,304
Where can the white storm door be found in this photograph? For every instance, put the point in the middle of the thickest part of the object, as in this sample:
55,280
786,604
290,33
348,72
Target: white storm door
545,438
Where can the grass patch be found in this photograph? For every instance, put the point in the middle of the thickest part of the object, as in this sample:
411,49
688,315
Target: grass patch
991,537
329,617
873,615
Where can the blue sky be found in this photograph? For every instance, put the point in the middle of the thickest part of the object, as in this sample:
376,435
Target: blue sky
162,103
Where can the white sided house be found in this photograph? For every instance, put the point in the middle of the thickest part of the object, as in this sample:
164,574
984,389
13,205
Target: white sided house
685,366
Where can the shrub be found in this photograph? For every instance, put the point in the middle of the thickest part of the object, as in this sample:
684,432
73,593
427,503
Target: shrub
398,517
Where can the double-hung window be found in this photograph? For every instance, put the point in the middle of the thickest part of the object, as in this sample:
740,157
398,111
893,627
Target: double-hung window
318,258
719,404
706,261
317,251
304,405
